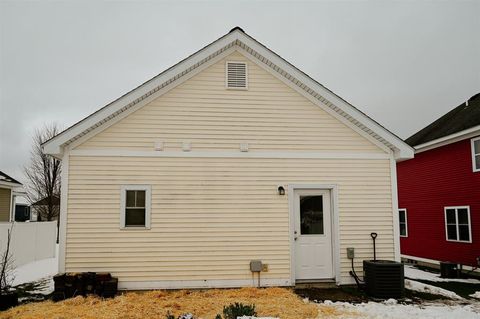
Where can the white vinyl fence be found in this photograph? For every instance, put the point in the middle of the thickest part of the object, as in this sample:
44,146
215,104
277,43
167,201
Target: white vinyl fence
30,241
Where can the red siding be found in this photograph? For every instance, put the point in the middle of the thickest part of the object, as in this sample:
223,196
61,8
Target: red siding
426,184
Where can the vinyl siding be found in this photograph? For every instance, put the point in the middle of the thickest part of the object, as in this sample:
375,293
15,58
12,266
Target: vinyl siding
270,116
210,217
5,197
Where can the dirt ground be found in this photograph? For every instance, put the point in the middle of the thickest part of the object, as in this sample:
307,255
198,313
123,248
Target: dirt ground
273,302
345,294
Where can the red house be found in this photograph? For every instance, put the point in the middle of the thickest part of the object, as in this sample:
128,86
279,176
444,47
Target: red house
439,190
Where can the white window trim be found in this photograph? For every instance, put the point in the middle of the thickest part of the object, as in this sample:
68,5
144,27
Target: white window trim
148,204
246,76
472,141
456,221
406,222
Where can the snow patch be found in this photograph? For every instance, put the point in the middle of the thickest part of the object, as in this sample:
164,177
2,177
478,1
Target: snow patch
415,273
389,310
40,270
421,287
475,295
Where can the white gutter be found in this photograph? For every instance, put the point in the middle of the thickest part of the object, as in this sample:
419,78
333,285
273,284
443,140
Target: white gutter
449,139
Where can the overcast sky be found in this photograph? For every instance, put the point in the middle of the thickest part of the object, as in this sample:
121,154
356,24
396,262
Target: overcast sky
403,63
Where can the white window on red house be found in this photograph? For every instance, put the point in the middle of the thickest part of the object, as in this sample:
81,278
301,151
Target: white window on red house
476,154
457,224
402,214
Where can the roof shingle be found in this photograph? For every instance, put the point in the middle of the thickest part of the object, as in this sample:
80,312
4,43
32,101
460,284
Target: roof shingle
463,117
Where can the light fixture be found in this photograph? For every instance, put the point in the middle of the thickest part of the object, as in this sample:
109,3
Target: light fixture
281,190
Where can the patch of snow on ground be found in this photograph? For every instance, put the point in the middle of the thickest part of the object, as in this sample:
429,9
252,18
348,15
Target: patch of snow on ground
415,273
392,310
38,270
421,287
475,295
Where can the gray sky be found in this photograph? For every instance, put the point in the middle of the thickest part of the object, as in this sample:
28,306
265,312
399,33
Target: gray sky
403,63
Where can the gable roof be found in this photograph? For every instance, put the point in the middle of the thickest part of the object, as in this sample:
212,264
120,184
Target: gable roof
239,40
6,180
44,201
463,117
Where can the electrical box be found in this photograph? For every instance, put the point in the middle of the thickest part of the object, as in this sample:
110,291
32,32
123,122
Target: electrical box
350,252
265,267
256,266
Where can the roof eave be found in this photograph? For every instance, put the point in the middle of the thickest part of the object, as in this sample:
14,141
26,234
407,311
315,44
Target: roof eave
449,139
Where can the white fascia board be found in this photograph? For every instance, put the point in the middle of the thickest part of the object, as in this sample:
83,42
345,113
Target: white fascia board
55,145
449,139
9,185
404,151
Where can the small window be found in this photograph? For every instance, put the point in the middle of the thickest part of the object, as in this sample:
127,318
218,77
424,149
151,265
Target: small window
311,215
457,224
476,154
135,206
402,214
236,75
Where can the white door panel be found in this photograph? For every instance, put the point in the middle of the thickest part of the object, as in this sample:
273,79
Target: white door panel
313,234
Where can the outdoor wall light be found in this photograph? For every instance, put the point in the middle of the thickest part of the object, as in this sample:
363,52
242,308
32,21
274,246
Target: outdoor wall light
281,190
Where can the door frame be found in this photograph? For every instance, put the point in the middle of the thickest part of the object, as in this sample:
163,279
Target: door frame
334,225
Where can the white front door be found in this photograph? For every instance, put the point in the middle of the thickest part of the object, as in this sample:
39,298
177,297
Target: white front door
313,234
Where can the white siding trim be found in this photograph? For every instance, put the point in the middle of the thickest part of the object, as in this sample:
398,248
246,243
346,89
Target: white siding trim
63,210
228,154
475,169
181,284
433,261
335,226
396,224
11,215
148,205
426,260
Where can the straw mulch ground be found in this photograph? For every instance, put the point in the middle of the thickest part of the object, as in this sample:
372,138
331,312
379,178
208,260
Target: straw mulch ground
274,302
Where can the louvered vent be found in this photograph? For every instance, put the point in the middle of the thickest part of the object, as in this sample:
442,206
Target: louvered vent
236,75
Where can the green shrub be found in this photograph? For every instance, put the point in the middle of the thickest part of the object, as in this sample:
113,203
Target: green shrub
235,310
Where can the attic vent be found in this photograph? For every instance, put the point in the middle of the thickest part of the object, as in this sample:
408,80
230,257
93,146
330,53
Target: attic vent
236,75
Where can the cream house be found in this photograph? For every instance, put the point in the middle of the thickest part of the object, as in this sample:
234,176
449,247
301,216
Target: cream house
10,188
231,155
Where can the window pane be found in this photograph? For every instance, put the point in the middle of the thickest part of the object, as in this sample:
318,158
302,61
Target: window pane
135,217
311,215
140,199
477,161
403,230
452,232
402,216
463,233
476,146
451,219
130,199
463,216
